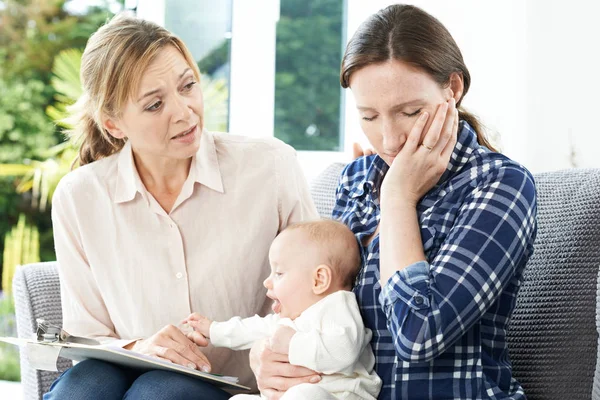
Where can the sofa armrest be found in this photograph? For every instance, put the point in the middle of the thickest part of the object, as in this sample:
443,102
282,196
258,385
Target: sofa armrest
36,289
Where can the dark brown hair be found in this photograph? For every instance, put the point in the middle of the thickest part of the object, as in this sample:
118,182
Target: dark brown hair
409,34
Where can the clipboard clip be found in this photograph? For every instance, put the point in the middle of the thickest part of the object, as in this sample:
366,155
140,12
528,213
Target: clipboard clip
48,333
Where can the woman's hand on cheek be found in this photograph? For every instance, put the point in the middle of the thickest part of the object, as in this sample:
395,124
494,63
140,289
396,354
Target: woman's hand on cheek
274,373
421,163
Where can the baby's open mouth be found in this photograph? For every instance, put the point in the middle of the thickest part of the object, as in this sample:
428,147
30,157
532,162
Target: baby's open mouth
276,307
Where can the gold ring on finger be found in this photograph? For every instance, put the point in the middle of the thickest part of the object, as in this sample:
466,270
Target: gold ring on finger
427,147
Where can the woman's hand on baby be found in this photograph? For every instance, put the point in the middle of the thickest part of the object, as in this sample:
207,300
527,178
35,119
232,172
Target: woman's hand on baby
274,373
200,324
173,345
280,341
424,157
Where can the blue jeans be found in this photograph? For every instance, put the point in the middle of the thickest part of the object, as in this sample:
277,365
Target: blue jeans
95,379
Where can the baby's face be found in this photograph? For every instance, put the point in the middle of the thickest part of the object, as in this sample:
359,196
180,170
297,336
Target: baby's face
290,285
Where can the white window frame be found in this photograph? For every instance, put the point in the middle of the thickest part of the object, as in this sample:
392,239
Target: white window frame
252,91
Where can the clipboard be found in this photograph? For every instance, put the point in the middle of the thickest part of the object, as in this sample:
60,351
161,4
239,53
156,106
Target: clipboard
53,342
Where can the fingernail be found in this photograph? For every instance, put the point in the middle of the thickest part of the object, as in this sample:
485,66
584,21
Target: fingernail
315,379
424,116
191,365
205,368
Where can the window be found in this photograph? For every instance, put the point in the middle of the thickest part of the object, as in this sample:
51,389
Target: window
309,40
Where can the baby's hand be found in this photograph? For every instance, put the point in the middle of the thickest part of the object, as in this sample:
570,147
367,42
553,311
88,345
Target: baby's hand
200,323
280,341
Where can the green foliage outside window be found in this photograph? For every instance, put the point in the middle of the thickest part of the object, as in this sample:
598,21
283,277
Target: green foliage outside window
33,33
307,89
10,368
24,126
21,246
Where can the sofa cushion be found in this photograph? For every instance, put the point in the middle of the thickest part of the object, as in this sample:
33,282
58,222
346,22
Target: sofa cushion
596,389
323,187
552,337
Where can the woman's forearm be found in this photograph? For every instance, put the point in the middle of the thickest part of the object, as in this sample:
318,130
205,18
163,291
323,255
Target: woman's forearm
400,242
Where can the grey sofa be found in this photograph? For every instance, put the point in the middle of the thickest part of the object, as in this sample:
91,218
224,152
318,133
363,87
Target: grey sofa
553,336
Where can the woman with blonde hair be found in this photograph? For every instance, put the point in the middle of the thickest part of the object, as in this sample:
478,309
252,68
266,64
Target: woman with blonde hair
162,218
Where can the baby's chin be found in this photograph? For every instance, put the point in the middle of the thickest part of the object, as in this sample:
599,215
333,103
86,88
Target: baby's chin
283,312
291,316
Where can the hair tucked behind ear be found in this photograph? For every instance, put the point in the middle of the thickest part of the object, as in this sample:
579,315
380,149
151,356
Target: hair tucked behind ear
93,141
112,64
409,34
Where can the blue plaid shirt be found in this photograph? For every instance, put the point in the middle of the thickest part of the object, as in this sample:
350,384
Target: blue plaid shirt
439,326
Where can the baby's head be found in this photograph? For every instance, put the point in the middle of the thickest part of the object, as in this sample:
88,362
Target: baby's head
309,261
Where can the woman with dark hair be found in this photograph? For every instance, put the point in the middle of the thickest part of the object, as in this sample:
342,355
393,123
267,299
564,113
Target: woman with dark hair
446,224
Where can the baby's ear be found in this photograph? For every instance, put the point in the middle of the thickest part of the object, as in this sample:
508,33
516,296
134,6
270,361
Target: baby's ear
322,279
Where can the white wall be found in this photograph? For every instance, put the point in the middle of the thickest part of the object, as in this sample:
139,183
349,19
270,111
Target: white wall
563,72
534,69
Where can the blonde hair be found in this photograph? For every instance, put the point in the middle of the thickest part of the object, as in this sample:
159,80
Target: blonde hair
112,65
338,244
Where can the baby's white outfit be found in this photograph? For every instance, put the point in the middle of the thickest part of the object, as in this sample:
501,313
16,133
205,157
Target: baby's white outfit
330,338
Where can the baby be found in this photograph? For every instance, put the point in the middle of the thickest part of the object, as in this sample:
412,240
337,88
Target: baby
317,322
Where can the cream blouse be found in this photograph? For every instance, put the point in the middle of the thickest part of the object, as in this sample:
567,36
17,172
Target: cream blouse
128,268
